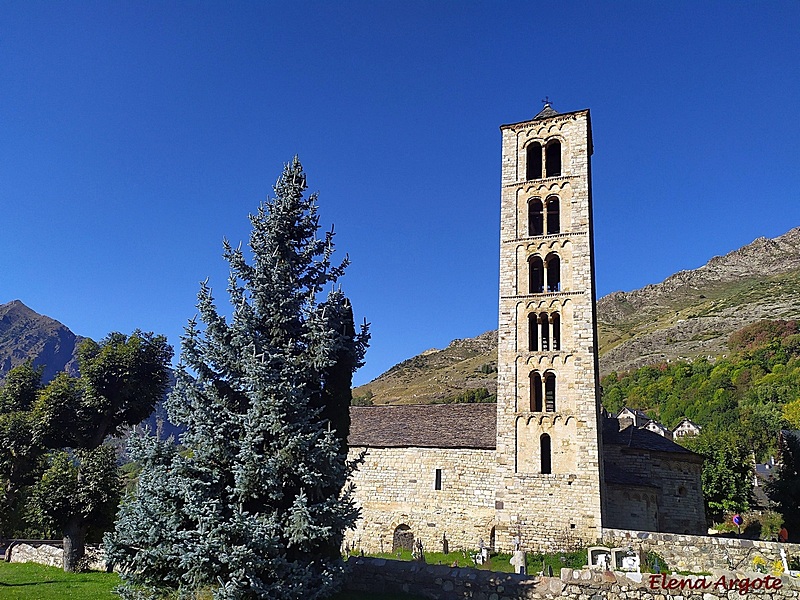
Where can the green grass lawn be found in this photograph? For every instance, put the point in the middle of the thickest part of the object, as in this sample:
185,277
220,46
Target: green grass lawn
30,581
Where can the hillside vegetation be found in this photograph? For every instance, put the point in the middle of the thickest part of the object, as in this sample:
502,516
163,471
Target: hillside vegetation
743,395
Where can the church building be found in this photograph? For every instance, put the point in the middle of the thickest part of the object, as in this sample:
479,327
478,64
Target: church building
544,467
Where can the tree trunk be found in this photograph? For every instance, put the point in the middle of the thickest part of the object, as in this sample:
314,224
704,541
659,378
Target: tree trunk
74,544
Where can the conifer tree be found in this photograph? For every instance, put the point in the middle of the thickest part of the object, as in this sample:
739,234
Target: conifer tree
254,503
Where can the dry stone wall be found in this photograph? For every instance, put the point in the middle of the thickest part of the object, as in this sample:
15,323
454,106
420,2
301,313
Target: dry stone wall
439,582
52,554
697,553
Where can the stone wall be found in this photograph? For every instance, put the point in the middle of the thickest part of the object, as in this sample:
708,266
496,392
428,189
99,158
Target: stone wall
679,507
439,582
698,553
52,554
396,488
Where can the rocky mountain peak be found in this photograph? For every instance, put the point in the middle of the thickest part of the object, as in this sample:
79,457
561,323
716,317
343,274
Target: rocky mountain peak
25,334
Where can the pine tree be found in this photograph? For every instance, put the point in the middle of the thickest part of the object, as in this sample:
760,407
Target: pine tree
255,502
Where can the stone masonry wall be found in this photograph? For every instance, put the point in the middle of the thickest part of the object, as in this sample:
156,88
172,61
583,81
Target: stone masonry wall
53,554
396,486
699,553
680,507
439,582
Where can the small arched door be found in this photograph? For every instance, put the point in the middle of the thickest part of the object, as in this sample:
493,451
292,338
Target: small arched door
403,538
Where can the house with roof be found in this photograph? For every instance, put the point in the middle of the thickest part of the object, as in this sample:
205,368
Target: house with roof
658,428
542,469
638,418
686,427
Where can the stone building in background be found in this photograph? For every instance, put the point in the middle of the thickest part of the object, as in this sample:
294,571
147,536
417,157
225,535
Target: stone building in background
543,467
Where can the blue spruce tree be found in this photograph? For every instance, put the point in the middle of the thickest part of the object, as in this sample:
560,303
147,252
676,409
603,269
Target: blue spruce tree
254,502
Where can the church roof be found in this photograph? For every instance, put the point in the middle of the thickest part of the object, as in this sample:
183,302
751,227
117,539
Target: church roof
641,439
469,426
546,112
424,425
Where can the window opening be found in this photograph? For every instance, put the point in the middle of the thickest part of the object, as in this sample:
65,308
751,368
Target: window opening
545,331
534,161
553,159
437,485
550,392
553,273
553,218
536,392
536,275
545,451
535,217
533,332
556,327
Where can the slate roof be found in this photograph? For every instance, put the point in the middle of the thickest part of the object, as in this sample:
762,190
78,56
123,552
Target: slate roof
546,112
424,425
468,426
641,439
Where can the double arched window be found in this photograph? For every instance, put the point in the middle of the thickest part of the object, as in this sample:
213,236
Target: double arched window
544,274
539,215
548,156
544,332
543,391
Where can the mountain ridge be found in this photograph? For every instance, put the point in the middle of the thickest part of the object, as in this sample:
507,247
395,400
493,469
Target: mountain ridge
26,334
687,315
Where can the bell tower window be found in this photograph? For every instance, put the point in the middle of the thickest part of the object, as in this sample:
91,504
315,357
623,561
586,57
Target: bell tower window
553,218
536,392
553,159
556,327
534,161
533,332
535,217
553,273
535,275
550,392
545,331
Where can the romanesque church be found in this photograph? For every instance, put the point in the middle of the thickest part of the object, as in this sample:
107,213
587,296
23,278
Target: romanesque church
544,466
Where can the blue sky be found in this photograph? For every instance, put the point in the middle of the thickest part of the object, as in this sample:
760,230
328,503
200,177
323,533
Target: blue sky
134,136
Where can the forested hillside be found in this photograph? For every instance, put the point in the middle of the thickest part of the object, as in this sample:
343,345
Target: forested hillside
749,393
742,401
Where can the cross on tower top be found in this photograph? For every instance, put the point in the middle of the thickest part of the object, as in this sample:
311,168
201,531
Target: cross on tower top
547,102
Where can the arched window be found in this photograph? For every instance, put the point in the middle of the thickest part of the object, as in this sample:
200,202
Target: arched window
553,273
553,218
544,443
535,275
535,219
550,392
534,161
533,332
545,331
536,392
552,159
556,328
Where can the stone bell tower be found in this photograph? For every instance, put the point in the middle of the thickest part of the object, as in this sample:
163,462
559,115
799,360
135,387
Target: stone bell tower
548,432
